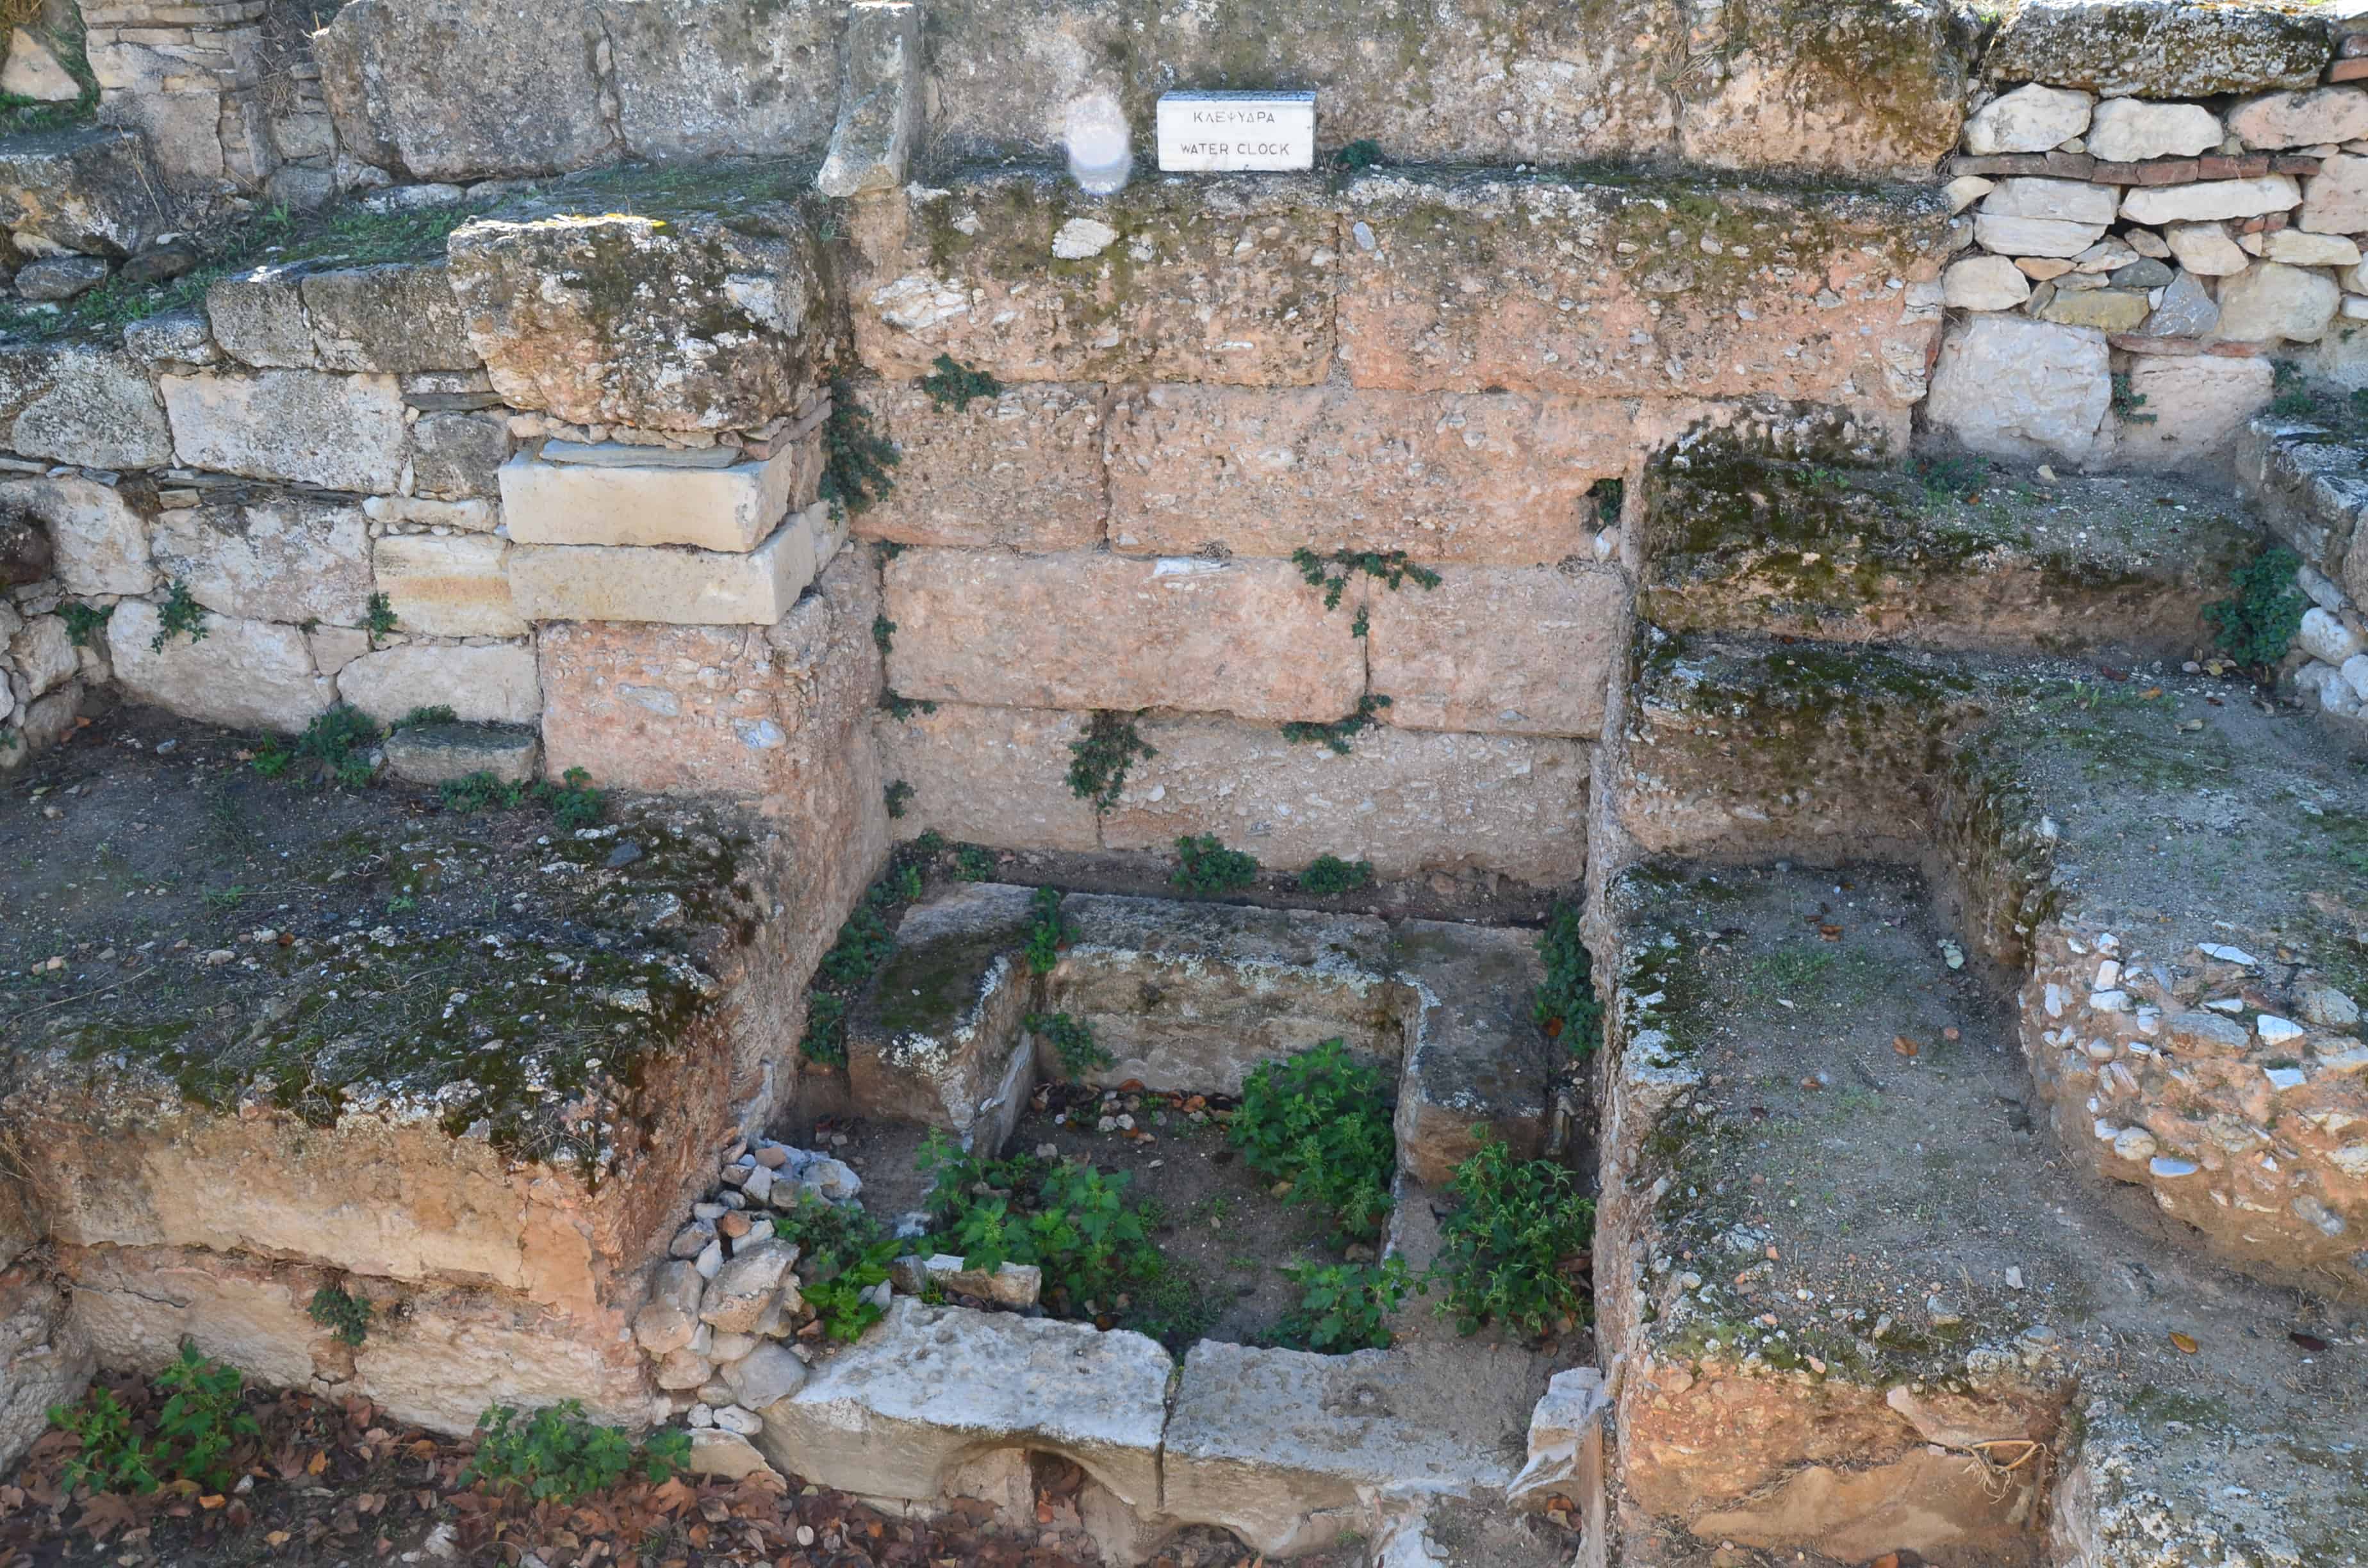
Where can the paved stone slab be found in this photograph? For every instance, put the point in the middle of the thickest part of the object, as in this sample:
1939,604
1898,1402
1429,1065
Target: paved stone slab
695,80
716,506
2150,49
1521,650
1475,1057
400,318
494,684
880,93
87,189
682,587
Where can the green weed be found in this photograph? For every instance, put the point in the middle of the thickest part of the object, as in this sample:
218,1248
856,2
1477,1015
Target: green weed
1358,155
1097,764
345,1315
1048,933
1332,573
1609,495
2128,402
1072,1041
557,1455
1205,867
855,457
1336,733
179,616
899,795
953,384
1321,1122
1327,875
190,1439
1070,1221
420,717
902,708
1565,1004
334,749
2258,625
973,864
481,791
84,622
1344,1306
378,618
1512,1247
842,1253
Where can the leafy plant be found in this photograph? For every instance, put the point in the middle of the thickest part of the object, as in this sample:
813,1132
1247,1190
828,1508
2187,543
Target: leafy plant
1073,1041
1564,1003
377,618
1358,155
573,803
1332,573
558,1456
2258,625
1512,1250
1097,764
83,621
1329,874
1321,1122
347,1316
1609,495
203,1414
1335,734
899,795
884,632
179,616
336,746
1204,866
905,707
951,384
2293,398
479,791
842,1253
864,943
855,457
112,1457
1069,1219
1946,476
1344,1306
1047,932
2128,402
973,864
418,716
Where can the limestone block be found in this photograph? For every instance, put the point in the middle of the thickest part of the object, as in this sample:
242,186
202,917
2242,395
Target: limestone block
654,503
2004,235
1475,1057
2301,119
1509,650
458,457
45,1358
720,332
1095,630
1281,1447
401,318
2125,130
89,189
2206,249
2298,247
1477,283
1191,998
880,97
1408,800
699,80
2110,310
2186,311
2272,302
33,72
711,708
1491,479
271,557
1985,283
258,318
534,103
101,544
938,1040
2019,387
715,1451
298,426
1228,282
2335,199
2069,201
173,337
26,554
445,586
934,1386
2034,119
996,776
44,655
1019,470
2157,49
2198,405
250,674
440,753
76,402
681,587
2207,200
496,684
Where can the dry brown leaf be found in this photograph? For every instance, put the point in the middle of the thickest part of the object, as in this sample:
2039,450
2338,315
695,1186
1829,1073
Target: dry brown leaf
2184,1342
1903,1046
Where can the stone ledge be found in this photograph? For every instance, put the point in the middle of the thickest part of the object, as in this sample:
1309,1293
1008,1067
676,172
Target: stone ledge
733,508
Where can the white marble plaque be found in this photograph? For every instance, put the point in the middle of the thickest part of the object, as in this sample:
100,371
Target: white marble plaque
1227,133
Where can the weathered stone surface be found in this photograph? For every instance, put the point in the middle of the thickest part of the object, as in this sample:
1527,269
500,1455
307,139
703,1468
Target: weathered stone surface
1229,282
1485,479
78,404
496,684
2007,235
1985,283
685,322
1478,1066
2129,130
2299,248
1460,285
26,554
2301,119
2271,303
175,337
2023,389
2206,249
2109,310
2034,119
1018,470
695,79
1510,650
101,544
534,99
45,1360
715,1451
33,72
682,587
2186,311
1408,800
440,753
1094,630
733,508
400,318
60,278
1281,1447
936,1040
250,674
723,709
2157,49
934,1386
2069,201
258,317
996,776
271,557
458,457
735,1300
880,97
44,654
455,585
298,426
2335,199
89,189
2207,200
2198,405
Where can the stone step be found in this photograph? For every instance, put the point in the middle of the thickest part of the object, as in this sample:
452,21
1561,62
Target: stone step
440,753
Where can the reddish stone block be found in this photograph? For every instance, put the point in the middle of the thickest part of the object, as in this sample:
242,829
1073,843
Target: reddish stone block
2168,171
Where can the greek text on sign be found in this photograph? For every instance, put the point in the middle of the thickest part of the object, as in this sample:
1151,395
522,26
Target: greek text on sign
1217,132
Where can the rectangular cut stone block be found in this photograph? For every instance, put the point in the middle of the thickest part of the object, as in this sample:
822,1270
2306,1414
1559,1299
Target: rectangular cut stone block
494,684
698,79
1019,470
401,319
1523,650
680,588
1173,279
1493,479
454,585
277,556
1408,801
1526,285
996,776
938,1040
731,508
1477,1062
1093,631
300,426
250,674
78,404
